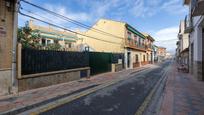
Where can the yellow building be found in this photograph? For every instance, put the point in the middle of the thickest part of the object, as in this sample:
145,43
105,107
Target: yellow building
149,47
102,42
116,37
50,35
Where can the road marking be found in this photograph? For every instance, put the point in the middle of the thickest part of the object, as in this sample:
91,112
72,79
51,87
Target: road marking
73,97
147,100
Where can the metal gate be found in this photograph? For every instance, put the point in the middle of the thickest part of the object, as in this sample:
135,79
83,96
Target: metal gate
100,62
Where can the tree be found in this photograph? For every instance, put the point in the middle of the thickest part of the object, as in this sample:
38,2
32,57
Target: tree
28,38
31,39
54,46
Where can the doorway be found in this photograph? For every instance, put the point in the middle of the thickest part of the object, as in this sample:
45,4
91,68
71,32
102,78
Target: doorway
202,54
192,58
128,59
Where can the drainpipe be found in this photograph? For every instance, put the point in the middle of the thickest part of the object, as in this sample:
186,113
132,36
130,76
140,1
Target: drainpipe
14,81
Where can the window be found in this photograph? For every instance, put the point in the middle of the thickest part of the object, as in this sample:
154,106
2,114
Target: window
135,37
70,45
56,41
144,58
43,41
48,41
139,40
136,58
129,35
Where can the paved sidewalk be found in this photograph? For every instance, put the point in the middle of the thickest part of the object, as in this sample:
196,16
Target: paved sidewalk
24,99
183,94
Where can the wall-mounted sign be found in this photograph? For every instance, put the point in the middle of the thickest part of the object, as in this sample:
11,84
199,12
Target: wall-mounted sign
2,32
120,61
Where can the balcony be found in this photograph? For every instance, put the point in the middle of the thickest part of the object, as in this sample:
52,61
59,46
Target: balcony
132,44
179,36
188,25
197,7
148,47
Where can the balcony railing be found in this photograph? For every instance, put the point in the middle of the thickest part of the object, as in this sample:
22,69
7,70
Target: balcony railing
133,44
197,7
188,25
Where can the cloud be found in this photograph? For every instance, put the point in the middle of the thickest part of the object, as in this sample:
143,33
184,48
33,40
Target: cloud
104,8
92,12
167,37
43,15
174,7
79,16
111,9
144,8
154,2
148,8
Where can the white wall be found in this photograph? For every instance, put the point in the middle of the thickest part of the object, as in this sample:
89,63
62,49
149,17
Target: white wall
196,38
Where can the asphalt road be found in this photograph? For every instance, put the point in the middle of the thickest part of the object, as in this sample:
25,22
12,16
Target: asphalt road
122,98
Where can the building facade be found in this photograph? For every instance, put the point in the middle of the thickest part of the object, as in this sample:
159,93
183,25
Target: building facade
49,35
149,47
168,56
194,25
8,27
122,38
155,48
183,45
161,53
135,50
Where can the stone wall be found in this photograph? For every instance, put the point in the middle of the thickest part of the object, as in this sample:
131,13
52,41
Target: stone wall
33,81
117,67
197,70
5,81
6,36
7,25
136,64
144,63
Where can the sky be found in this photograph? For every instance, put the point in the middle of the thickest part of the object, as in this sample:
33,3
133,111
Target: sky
159,18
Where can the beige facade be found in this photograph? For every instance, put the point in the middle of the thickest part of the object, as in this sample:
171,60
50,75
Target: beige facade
168,56
7,39
161,53
116,37
102,42
149,47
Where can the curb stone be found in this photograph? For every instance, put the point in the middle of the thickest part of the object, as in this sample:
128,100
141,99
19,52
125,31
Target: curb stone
74,96
148,99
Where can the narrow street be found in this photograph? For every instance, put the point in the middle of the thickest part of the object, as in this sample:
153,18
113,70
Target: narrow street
122,98
104,57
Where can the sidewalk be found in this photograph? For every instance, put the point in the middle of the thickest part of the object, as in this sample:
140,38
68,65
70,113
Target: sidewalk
183,94
32,97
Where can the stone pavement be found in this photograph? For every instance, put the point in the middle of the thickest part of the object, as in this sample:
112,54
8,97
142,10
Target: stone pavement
31,97
183,94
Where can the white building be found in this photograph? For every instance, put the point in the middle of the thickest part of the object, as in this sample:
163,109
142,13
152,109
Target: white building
183,45
194,25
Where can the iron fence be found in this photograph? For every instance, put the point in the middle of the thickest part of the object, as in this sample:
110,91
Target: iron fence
38,61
